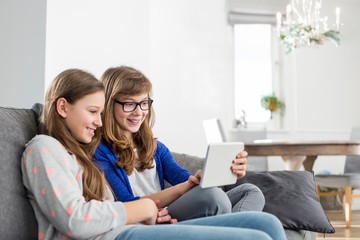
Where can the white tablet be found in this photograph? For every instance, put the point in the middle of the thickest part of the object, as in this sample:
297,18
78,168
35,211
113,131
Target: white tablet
216,170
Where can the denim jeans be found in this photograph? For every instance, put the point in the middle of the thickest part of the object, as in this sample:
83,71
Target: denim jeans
199,202
241,226
246,197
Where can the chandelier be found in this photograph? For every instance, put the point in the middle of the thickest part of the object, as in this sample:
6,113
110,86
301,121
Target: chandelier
303,25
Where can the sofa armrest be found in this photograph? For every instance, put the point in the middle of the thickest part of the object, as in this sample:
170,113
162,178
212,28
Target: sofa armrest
17,127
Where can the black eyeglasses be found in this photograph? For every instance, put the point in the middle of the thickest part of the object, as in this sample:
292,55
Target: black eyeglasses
131,106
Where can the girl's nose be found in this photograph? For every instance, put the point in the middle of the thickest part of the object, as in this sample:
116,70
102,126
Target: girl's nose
98,121
137,110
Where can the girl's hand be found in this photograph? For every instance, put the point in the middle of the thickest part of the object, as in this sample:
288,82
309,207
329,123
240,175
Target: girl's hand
238,165
163,215
195,180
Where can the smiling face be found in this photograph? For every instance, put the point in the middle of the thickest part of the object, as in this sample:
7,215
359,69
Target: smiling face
84,116
130,122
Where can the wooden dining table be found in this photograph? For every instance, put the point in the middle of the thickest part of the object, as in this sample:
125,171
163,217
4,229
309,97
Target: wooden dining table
296,153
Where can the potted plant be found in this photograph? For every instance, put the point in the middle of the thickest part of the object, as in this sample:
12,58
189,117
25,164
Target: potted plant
272,103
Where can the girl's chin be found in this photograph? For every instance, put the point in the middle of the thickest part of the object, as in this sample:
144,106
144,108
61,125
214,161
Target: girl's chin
85,141
88,139
133,129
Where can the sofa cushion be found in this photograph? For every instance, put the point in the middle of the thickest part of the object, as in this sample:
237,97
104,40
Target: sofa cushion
292,197
17,127
189,162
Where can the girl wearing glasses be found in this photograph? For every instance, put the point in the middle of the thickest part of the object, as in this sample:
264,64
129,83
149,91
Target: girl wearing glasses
70,196
136,165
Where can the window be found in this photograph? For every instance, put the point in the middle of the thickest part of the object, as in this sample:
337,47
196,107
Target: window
256,73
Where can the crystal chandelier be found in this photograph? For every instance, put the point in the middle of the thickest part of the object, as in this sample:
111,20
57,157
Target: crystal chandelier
303,25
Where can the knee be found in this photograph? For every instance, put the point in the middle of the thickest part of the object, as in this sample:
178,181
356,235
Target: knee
267,223
246,197
216,201
272,221
256,192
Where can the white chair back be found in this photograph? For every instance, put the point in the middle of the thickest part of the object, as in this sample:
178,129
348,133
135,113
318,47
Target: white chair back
214,131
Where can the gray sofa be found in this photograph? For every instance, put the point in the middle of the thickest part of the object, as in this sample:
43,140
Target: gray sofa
18,126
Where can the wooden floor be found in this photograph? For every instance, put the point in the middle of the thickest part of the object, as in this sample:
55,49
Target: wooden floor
341,232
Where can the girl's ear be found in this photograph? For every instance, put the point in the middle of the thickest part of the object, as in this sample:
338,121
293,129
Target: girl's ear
61,105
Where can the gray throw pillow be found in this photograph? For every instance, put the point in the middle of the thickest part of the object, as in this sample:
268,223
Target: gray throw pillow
292,197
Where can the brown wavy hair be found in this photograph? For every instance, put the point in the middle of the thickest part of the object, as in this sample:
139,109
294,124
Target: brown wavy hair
74,84
121,82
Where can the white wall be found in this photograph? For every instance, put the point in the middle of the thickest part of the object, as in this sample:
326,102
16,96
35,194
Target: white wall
22,52
192,70
185,47
95,35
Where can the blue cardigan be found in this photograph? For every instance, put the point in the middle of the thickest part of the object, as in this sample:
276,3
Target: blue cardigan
167,168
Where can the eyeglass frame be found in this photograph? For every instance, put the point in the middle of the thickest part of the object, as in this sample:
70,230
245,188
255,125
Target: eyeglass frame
150,101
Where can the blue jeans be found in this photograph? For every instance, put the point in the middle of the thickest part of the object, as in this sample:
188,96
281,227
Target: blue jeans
241,226
198,202
246,197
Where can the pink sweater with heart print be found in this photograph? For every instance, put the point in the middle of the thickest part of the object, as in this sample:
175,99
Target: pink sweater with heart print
53,181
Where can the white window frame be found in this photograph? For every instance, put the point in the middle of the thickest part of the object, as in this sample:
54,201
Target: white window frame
246,18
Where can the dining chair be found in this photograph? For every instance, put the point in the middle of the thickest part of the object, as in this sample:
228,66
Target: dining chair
344,183
215,133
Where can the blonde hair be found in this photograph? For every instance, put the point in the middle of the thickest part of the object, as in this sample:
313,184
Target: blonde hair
74,84
120,82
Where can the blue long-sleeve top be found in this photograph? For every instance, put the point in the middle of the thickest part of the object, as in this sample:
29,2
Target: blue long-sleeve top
166,166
